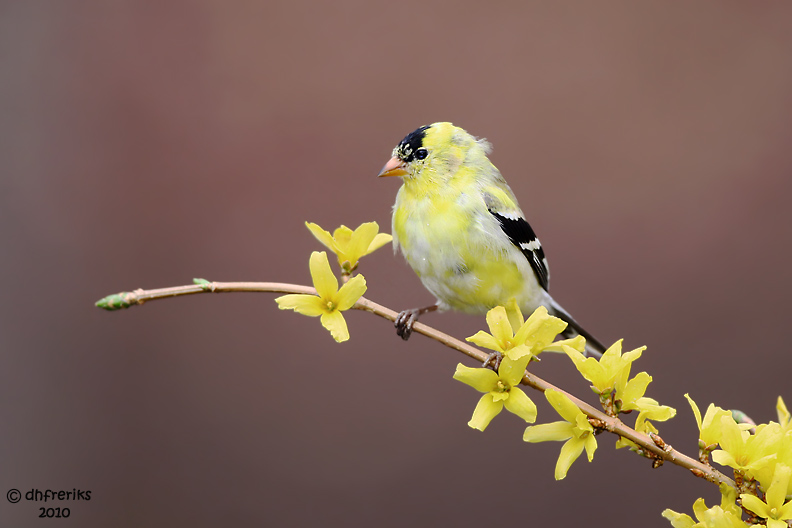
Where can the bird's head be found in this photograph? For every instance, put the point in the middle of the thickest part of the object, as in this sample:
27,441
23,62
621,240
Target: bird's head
432,152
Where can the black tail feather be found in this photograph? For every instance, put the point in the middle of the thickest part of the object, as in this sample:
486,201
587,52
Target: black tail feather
593,345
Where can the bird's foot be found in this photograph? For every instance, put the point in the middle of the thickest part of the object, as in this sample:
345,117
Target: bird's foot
405,320
494,359
404,323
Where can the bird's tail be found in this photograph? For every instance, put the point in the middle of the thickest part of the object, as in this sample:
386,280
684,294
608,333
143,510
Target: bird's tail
593,346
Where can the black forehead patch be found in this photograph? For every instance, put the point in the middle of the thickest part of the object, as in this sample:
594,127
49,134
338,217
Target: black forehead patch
411,142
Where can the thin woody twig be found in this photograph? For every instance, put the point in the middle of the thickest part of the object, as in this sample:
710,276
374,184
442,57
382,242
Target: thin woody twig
611,423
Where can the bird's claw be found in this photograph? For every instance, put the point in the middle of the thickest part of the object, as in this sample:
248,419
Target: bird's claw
404,323
405,320
493,358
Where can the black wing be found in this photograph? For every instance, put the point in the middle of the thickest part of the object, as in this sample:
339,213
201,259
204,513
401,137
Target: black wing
522,236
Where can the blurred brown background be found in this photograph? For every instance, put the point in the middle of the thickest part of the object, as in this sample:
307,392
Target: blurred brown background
146,143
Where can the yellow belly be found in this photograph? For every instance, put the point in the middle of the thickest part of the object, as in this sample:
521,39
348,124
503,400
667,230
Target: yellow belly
461,261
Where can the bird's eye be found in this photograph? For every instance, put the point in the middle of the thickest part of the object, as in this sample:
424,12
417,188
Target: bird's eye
421,153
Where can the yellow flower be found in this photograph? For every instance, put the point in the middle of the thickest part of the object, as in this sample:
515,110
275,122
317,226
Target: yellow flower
602,373
773,508
330,301
533,336
650,409
729,499
576,430
628,393
710,425
784,457
715,517
679,520
778,443
350,246
539,330
501,391
752,453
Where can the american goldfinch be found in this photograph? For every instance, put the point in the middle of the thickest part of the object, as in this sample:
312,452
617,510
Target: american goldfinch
461,230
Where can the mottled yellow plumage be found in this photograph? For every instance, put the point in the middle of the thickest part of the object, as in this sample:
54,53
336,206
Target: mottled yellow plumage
460,228
444,228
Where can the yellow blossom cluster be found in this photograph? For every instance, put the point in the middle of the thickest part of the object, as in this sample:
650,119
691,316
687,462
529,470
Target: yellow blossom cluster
576,430
517,349
350,246
532,336
517,341
761,457
330,300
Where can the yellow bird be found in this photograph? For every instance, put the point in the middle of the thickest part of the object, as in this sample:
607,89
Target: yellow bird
461,230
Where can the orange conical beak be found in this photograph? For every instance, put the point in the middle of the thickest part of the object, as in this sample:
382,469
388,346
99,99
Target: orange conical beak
394,167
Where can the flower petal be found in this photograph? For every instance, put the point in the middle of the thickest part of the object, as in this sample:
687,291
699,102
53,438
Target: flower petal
755,504
569,453
361,239
563,405
380,240
767,439
540,329
309,305
485,411
499,325
499,396
350,292
551,432
337,326
699,509
679,520
696,411
612,355
521,405
518,352
324,281
481,379
621,378
760,465
776,493
784,418
589,368
512,371
732,439
633,390
582,425
591,446
724,458
728,498
576,343
532,324
651,410
483,339
545,334
322,236
629,357
514,314
342,236
786,511
711,424
623,442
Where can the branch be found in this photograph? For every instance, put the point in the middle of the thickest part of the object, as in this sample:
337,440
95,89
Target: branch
656,448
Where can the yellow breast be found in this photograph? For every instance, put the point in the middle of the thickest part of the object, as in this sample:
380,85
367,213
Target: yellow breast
457,250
